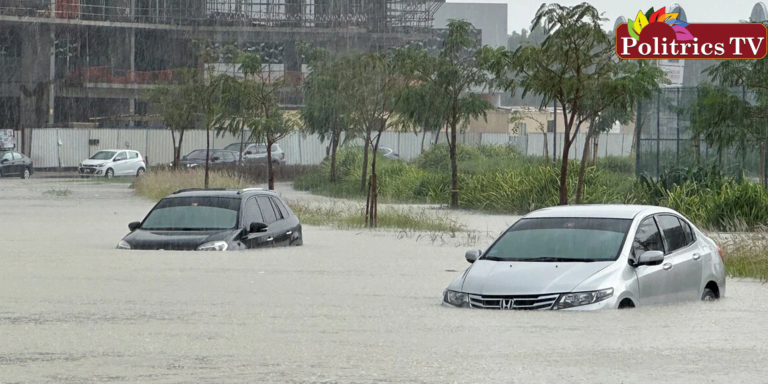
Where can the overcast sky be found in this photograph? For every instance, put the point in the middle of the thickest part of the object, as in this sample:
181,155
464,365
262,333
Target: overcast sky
520,13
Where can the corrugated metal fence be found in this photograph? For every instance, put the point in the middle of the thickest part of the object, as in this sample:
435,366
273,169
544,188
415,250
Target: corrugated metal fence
60,147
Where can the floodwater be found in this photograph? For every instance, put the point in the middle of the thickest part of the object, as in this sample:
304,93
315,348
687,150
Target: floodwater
348,307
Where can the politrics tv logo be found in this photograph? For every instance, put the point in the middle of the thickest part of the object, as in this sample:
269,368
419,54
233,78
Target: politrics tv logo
661,35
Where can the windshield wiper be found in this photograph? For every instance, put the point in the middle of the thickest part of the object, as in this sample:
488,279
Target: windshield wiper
551,259
493,258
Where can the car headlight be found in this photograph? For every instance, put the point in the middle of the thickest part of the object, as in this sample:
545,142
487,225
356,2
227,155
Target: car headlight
213,246
123,245
191,165
570,300
457,299
100,165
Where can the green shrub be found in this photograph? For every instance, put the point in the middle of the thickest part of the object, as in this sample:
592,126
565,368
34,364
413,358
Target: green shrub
617,164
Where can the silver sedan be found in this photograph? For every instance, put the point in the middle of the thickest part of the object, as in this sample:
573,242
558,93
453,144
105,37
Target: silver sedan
591,257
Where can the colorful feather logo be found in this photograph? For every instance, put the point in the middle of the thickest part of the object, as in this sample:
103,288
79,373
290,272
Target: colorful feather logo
636,26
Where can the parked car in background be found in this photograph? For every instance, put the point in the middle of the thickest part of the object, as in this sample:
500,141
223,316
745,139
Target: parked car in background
389,153
216,220
591,257
254,153
113,162
14,163
217,157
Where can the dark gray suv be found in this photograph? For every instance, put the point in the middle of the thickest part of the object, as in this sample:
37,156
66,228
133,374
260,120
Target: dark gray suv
254,153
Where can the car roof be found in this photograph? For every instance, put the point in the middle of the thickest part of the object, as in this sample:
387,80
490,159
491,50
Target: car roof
605,211
117,150
234,193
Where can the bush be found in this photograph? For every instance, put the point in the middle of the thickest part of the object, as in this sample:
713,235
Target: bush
617,164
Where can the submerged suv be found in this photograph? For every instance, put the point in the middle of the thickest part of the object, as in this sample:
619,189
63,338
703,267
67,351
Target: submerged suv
216,220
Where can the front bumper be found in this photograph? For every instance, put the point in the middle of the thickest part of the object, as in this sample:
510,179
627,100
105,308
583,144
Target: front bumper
90,171
546,302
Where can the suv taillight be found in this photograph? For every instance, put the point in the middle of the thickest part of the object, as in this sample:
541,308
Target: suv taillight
720,252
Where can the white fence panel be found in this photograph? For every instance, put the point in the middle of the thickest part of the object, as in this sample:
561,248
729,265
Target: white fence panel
74,146
495,139
160,147
44,148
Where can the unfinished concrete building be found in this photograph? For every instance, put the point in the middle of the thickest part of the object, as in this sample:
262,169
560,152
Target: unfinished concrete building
69,62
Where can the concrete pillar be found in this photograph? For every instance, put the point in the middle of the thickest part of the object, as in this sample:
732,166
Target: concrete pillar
37,71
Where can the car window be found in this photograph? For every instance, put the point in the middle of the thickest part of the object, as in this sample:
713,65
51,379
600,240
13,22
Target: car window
266,210
133,155
103,155
17,156
647,238
278,211
8,156
674,237
689,238
121,155
229,156
252,212
193,213
279,204
275,148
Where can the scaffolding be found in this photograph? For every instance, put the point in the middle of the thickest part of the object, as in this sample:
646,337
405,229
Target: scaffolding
367,14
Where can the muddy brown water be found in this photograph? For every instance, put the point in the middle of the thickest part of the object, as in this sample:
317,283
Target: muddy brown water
348,307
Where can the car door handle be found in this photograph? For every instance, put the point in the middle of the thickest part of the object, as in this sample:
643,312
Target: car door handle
289,233
696,256
667,266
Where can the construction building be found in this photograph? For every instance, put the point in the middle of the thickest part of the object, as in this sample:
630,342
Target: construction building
67,63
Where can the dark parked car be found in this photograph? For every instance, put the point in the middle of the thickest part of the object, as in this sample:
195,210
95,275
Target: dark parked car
15,164
217,157
257,153
216,220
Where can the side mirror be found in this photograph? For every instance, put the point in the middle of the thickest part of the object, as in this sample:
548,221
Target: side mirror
216,158
257,227
134,226
248,152
184,157
650,258
3,161
472,255
118,159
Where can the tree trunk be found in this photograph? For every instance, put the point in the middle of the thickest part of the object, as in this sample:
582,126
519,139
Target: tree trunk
582,169
596,143
454,167
240,160
437,136
366,147
270,168
207,154
567,142
175,150
423,137
762,166
371,209
334,147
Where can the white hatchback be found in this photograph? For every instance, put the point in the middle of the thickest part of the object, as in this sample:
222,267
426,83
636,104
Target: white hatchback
114,162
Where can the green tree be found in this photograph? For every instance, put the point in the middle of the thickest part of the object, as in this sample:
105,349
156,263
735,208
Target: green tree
327,111
576,68
176,106
448,81
251,103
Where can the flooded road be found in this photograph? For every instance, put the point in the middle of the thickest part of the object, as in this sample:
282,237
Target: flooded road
347,307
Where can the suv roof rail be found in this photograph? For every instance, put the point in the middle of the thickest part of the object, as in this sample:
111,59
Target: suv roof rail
198,189
240,192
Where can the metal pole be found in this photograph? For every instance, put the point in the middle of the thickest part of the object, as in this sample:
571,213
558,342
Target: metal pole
678,125
52,86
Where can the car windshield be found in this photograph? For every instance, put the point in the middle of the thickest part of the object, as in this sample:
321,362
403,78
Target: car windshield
198,154
193,214
561,239
103,155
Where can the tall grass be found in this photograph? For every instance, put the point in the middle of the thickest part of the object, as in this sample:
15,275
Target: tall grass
350,216
160,183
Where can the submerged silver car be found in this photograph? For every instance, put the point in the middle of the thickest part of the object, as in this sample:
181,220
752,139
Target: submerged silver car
591,257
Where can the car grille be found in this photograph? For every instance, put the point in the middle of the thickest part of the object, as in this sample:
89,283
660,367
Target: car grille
88,166
519,302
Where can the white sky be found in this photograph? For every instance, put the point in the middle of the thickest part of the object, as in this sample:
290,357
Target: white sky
520,13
